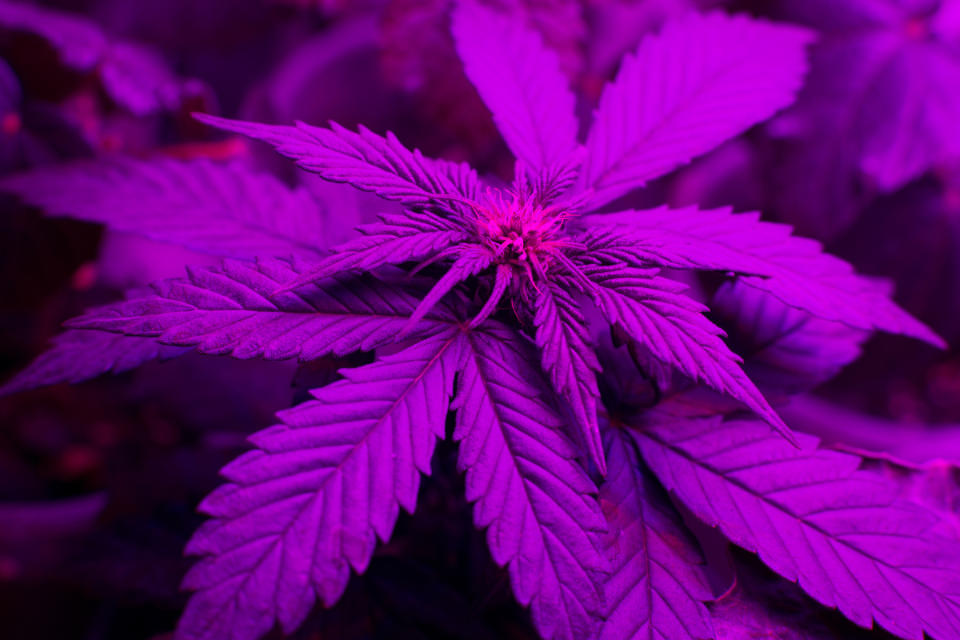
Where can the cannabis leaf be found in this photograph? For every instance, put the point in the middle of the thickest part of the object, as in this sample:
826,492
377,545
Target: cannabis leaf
81,355
530,491
225,210
699,82
813,518
481,293
310,501
229,310
524,230
793,269
568,357
658,585
531,104
364,160
653,312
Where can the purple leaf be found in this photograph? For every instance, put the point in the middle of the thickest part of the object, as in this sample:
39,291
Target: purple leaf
657,587
793,269
534,497
470,261
364,160
654,312
308,504
229,310
520,81
907,442
223,210
396,239
783,348
702,80
81,355
814,518
569,360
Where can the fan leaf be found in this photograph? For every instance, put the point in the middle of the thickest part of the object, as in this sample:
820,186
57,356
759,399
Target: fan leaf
535,499
812,517
520,81
309,503
702,80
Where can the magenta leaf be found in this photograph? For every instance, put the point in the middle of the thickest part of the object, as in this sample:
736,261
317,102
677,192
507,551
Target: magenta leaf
77,355
394,240
654,312
814,518
569,360
535,499
657,586
220,209
365,160
702,80
470,261
783,348
309,503
793,269
520,81
229,310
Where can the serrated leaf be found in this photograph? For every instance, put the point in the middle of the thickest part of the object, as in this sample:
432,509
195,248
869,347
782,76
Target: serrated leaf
230,310
794,269
657,587
224,210
78,355
520,81
654,312
309,503
394,240
814,518
365,160
701,81
569,360
471,260
535,499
